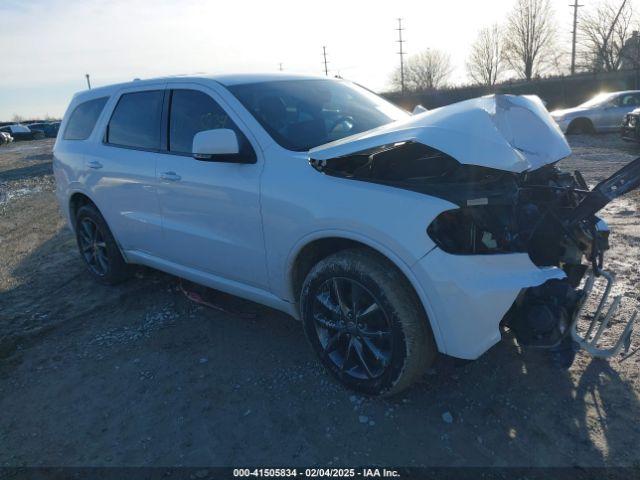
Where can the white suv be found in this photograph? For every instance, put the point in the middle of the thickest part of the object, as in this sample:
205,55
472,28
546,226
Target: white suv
391,236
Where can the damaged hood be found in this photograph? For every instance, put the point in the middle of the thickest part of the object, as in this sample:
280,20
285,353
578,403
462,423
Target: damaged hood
504,132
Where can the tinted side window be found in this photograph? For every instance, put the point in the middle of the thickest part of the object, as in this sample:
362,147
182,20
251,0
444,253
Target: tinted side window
83,119
136,120
192,112
630,99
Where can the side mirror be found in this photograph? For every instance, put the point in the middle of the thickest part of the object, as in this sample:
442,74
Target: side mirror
218,145
419,109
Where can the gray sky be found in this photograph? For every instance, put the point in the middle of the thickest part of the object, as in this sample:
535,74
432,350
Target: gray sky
48,45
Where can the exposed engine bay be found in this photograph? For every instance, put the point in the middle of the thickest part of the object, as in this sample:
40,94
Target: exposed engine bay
547,213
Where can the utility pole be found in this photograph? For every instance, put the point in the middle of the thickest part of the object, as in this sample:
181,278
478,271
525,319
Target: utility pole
280,66
324,54
613,26
88,81
605,43
574,33
401,53
636,38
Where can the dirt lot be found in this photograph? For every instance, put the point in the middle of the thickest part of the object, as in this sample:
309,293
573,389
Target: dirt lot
139,375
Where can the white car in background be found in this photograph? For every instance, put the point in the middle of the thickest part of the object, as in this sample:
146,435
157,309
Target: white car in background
603,113
5,137
392,237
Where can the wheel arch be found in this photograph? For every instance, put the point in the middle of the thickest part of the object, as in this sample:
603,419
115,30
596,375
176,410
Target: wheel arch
76,201
79,199
581,121
308,253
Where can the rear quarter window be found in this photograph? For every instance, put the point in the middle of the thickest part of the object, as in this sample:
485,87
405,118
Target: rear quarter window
83,119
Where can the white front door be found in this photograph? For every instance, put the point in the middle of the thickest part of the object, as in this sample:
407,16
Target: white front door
210,209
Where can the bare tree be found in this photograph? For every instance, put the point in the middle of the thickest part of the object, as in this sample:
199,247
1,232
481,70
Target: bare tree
530,37
486,63
605,32
559,63
424,71
17,118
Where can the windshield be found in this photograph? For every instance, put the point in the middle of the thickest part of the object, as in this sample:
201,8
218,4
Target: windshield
597,100
302,114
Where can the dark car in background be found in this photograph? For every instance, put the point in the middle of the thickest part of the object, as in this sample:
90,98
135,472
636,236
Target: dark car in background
22,132
630,130
50,129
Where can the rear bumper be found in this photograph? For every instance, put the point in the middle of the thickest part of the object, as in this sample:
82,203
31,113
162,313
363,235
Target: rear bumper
469,295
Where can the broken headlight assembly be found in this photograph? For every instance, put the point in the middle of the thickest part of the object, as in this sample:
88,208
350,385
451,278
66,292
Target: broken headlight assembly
474,231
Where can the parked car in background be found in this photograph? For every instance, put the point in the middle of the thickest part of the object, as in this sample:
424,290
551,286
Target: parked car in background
630,129
22,132
53,129
5,138
603,113
50,129
390,236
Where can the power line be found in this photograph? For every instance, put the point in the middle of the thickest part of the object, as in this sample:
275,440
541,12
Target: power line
401,53
324,54
574,32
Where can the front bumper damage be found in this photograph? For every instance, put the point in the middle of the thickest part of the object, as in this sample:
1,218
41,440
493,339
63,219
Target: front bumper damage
630,129
556,314
469,295
593,337
558,317
524,247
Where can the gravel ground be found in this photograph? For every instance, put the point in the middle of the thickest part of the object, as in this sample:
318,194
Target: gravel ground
139,375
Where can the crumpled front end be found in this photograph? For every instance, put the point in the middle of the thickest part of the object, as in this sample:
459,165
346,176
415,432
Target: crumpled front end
503,132
524,240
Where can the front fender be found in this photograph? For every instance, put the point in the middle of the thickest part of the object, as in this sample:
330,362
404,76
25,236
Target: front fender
470,294
403,264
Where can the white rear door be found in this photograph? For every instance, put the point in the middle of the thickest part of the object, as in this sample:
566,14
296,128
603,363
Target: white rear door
121,170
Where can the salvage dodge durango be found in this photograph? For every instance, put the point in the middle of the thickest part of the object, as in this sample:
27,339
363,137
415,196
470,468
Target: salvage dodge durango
391,236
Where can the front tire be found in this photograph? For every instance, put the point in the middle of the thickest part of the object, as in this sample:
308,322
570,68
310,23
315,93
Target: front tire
98,247
365,323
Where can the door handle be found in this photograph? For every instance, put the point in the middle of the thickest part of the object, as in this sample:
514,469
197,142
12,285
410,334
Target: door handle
94,164
170,176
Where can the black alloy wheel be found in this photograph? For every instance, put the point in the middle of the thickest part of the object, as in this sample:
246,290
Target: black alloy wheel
93,247
365,322
352,328
98,247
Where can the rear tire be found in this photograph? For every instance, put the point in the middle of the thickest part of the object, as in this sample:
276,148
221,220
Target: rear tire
375,350
98,247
